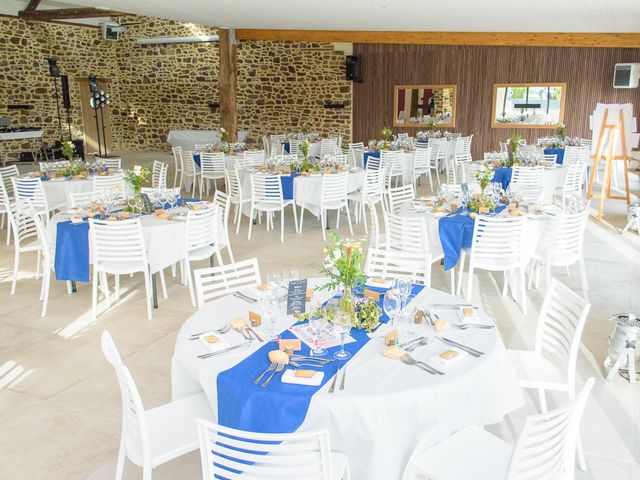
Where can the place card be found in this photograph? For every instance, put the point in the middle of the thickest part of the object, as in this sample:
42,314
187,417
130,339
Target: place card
393,352
293,344
417,318
296,297
255,319
375,296
391,337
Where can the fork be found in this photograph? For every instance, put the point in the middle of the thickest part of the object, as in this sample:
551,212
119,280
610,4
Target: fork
271,367
465,326
277,370
224,329
409,360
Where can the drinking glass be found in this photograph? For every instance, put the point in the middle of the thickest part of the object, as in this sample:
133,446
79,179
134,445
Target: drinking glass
289,274
317,324
271,308
409,312
342,325
273,281
403,286
390,305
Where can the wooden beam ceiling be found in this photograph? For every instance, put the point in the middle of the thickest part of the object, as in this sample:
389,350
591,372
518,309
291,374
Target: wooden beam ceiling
532,39
65,13
33,4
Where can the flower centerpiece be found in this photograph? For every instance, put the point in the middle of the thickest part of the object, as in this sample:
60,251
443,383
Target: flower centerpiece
432,126
560,131
512,147
135,178
224,140
343,265
305,128
484,175
482,204
304,148
68,149
386,134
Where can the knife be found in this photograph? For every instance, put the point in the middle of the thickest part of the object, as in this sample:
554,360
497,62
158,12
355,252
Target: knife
469,350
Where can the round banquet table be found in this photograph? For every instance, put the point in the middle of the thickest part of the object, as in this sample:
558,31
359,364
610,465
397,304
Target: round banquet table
57,191
165,241
387,408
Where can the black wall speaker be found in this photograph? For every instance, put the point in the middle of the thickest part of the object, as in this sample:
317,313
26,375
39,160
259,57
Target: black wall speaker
354,68
66,99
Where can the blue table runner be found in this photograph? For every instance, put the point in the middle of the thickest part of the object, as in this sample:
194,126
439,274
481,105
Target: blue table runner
502,176
559,152
366,156
279,407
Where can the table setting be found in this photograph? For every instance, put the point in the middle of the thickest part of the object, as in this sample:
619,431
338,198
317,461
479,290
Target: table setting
380,363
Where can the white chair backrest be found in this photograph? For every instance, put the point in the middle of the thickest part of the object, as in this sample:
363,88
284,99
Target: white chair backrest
215,282
340,159
390,264
120,242
4,196
337,138
177,157
108,182
463,146
498,238
357,146
373,163
23,226
188,164
113,163
201,228
391,164
81,199
586,142
549,159
286,456
422,159
276,148
223,201
372,187
452,170
281,137
329,146
294,146
565,243
375,238
334,189
266,189
265,144
212,164
398,196
46,251
573,154
406,233
573,179
159,174
134,422
6,173
546,446
527,176
32,191
232,181
469,171
257,157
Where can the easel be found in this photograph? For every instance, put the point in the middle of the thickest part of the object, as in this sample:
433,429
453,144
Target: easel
611,132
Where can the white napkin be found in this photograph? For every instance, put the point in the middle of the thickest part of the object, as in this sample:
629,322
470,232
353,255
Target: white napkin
289,376
442,363
214,347
386,284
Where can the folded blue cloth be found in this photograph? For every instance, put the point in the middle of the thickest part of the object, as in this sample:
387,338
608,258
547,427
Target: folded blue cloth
502,176
279,407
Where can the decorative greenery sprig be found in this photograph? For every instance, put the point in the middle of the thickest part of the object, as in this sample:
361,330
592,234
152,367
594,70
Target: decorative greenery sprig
224,135
343,263
560,131
68,149
136,177
484,175
386,134
367,314
304,148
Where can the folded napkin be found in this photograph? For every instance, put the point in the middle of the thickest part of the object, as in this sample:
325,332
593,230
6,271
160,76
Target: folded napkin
289,376
443,363
213,347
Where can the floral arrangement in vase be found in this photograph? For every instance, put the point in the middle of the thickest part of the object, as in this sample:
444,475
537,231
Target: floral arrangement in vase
305,128
512,146
432,126
560,131
386,134
304,148
68,149
482,204
135,178
224,135
484,176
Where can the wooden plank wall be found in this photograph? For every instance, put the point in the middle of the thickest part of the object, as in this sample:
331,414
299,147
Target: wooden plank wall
588,73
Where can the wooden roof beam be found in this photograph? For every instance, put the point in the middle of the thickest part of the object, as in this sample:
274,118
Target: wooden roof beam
66,13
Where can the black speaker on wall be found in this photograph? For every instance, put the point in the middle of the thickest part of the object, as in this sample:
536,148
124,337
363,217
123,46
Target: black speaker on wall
66,99
354,68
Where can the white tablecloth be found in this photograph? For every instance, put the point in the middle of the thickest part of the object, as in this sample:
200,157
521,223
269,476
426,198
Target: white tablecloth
165,239
187,139
57,192
308,190
387,408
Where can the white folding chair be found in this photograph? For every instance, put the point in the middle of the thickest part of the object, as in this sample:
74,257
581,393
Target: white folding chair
211,168
294,147
371,192
216,282
391,163
551,365
422,165
563,247
376,239
549,159
6,174
201,239
498,245
463,149
189,172
113,163
31,190
177,161
579,155
118,248
439,153
398,196
333,196
286,456
150,438
266,196
108,182
5,202
159,174
545,449
257,157
236,194
528,182
81,199
469,170
25,237
357,152
373,163
328,146
392,264
223,201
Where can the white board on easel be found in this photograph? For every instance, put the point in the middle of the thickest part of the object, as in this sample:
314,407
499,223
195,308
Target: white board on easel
630,128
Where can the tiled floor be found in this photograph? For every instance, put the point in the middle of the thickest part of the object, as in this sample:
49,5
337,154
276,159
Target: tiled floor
60,404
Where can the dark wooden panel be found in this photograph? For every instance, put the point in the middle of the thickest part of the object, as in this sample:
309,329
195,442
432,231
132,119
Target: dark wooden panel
588,73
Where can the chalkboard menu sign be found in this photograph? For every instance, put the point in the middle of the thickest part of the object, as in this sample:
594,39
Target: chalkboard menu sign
297,296
148,208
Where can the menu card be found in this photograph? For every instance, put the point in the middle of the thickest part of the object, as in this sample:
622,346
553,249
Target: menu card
148,208
297,296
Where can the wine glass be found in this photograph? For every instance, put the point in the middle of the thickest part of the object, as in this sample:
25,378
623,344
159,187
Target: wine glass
271,308
317,323
273,281
410,310
342,325
289,274
390,305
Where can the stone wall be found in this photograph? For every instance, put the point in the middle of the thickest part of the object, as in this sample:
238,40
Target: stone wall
158,88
